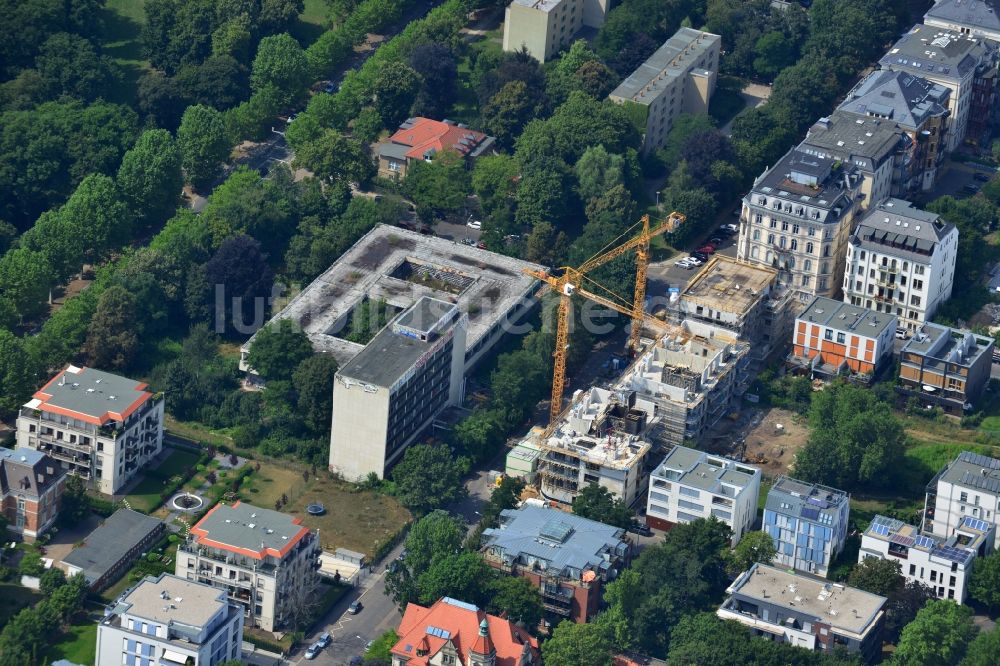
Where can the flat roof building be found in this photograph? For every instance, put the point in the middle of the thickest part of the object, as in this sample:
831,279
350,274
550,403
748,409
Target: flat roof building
901,261
266,561
109,551
683,70
545,27
399,267
99,426
798,218
940,564
808,523
384,397
945,367
170,621
690,484
806,612
968,486
833,339
568,557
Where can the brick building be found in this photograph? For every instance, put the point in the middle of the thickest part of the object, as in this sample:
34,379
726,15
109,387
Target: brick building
31,486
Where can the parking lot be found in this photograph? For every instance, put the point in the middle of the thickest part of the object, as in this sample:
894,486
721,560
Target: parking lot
665,274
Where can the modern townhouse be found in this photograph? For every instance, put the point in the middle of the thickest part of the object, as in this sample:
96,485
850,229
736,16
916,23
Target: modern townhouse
808,523
945,367
968,486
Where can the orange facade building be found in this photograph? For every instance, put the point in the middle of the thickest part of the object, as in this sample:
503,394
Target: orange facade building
832,338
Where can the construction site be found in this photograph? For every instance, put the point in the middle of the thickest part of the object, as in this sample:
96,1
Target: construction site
396,267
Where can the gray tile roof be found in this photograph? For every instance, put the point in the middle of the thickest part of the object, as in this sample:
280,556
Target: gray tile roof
91,392
866,142
930,51
111,542
967,470
800,496
982,14
904,98
660,68
563,540
248,527
848,318
947,344
27,471
899,228
829,192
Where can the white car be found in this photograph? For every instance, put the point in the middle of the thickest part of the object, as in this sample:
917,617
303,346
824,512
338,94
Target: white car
695,261
312,651
474,224
683,263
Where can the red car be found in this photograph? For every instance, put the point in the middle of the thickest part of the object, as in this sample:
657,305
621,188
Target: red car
707,249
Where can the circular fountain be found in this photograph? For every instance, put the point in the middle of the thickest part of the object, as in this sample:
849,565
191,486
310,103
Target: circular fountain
187,502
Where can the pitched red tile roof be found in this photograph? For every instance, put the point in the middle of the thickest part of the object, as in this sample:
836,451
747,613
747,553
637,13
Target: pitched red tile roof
456,622
425,134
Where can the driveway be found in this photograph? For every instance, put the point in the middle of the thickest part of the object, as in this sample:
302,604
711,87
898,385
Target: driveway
754,95
65,538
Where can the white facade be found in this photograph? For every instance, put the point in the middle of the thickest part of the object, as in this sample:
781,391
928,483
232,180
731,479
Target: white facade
691,484
168,621
545,27
678,78
101,427
968,486
940,564
901,260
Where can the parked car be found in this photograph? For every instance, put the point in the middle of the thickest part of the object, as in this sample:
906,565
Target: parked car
707,249
701,256
330,87
732,227
901,333
312,651
324,639
982,177
684,263
970,188
695,261
355,607
641,530
715,240
468,241
474,224
481,245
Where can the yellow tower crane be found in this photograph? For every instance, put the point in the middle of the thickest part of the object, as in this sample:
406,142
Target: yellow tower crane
571,282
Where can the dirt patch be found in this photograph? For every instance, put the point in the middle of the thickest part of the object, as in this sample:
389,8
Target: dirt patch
774,441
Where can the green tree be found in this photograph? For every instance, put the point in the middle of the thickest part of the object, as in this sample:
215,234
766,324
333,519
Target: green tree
984,586
75,506
16,373
938,636
508,111
432,538
518,597
113,334
278,349
854,439
480,434
984,650
281,63
429,477
577,645
753,547
494,180
395,87
336,157
150,177
51,580
31,564
96,207
69,65
878,576
381,647
597,503
598,171
774,53
203,142
462,576
25,279
313,381
437,187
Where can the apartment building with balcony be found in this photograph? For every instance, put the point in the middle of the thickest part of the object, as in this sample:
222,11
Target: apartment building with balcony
678,78
945,367
600,441
735,300
834,339
944,565
31,489
878,149
808,523
806,612
798,219
691,484
901,261
916,106
170,621
545,27
265,561
99,426
952,59
567,557
968,486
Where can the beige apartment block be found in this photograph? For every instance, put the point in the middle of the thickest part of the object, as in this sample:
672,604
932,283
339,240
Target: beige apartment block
544,27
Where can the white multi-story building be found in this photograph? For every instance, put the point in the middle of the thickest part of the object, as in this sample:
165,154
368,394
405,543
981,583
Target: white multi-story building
901,260
798,219
952,59
678,78
691,484
968,486
943,565
98,426
266,561
169,621
970,17
544,27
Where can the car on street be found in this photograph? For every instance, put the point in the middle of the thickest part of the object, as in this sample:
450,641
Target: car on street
355,607
312,651
732,227
324,639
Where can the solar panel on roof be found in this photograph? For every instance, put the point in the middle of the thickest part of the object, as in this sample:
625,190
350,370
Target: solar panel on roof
976,523
953,554
879,529
925,542
811,514
902,540
440,633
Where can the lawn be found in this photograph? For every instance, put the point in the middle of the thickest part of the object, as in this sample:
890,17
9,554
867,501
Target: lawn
196,432
271,482
312,22
13,598
726,100
146,495
123,21
78,644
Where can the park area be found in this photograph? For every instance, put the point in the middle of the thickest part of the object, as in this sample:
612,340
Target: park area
147,495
